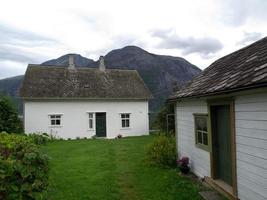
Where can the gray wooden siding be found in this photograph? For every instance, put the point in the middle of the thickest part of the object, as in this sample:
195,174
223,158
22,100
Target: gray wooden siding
199,159
251,146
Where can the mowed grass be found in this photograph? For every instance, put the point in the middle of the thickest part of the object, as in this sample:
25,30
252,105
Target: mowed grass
112,170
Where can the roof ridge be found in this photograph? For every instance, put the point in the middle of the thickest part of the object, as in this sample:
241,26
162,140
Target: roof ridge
86,68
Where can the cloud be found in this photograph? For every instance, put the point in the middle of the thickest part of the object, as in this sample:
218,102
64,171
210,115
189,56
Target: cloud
11,35
204,46
238,12
17,45
249,37
9,68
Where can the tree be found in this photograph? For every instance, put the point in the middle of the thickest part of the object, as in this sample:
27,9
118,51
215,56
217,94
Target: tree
9,121
161,119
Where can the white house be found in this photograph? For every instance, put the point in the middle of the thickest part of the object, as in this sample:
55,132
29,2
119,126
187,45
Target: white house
221,123
71,102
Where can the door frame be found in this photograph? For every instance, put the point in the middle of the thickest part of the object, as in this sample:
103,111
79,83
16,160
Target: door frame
230,103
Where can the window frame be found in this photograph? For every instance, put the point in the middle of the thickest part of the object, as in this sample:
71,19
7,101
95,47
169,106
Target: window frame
125,119
55,118
93,120
197,143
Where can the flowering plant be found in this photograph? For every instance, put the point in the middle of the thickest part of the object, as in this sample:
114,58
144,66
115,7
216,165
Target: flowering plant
183,165
119,136
183,161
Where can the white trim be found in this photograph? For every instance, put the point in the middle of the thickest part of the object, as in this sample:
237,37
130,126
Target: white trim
49,114
93,122
128,118
55,125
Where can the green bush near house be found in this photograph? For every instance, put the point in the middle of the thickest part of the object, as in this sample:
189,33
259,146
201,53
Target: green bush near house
40,139
162,151
23,168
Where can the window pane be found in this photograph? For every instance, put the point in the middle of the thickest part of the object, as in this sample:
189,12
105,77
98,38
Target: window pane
53,122
127,123
57,122
123,123
205,138
127,115
201,123
122,115
90,123
58,116
52,116
199,137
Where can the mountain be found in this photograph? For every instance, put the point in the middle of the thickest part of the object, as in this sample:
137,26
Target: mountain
64,60
160,73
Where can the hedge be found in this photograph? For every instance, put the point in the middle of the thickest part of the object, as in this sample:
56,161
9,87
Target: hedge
23,168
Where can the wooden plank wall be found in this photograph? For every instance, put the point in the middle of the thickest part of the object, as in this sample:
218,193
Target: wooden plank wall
199,159
251,146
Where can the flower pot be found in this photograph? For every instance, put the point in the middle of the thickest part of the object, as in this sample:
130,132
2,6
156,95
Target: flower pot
184,169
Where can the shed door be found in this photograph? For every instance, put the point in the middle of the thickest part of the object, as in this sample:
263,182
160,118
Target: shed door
221,136
101,125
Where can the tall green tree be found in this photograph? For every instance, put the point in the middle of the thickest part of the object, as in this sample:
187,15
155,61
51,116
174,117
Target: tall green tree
167,111
9,121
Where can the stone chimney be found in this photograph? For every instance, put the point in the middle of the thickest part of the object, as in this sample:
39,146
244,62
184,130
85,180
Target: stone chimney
71,61
102,66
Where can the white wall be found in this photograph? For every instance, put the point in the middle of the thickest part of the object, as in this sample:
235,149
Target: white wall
251,145
75,117
251,142
185,133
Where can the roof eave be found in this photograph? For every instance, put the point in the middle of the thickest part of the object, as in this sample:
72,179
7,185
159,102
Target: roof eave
80,98
171,100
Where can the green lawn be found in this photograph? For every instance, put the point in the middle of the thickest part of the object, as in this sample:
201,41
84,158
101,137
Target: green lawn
112,169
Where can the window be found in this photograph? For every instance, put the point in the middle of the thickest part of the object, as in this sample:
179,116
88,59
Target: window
55,120
201,130
125,120
91,120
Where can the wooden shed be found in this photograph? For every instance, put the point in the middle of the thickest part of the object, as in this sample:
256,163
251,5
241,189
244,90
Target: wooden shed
221,123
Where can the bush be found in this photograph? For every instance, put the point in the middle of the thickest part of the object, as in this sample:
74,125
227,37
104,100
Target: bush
39,139
23,168
162,152
9,120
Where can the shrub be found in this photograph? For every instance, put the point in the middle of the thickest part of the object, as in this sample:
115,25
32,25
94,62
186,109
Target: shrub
23,168
39,139
162,152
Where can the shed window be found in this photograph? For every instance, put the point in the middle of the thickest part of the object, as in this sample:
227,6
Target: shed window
125,120
55,120
201,130
91,120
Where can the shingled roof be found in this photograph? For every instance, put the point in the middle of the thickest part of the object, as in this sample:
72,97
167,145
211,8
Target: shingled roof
240,70
62,82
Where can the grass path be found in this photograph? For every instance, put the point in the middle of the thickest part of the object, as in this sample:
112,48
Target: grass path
112,170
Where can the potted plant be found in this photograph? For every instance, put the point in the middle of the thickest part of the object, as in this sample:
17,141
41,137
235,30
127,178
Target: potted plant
119,136
183,165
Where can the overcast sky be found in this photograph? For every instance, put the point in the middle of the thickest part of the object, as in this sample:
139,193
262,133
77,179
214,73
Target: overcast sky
200,31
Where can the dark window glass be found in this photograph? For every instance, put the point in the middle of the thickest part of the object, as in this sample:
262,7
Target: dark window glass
123,123
55,119
127,123
199,137
125,120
